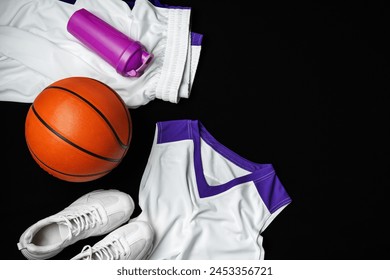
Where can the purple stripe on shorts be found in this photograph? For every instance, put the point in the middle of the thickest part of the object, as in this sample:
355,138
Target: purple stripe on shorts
69,1
196,39
130,3
157,3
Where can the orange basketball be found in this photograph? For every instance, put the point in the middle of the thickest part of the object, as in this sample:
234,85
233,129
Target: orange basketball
78,129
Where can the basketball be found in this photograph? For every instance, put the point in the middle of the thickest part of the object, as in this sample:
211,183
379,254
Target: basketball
78,129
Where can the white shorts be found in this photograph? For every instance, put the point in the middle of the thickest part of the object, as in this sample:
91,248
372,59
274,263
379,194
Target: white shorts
36,49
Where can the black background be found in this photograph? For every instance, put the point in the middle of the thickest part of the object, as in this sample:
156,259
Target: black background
301,86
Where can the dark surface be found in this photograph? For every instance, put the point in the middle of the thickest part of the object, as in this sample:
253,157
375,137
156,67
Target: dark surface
304,87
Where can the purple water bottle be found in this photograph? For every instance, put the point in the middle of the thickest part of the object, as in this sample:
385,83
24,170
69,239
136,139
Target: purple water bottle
127,56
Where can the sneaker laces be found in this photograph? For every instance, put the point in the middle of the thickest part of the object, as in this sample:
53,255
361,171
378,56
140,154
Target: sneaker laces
80,222
110,251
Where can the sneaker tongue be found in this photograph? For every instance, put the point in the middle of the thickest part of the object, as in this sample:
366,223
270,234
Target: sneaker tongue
64,229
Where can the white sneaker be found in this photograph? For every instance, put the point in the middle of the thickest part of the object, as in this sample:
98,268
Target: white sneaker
133,241
93,214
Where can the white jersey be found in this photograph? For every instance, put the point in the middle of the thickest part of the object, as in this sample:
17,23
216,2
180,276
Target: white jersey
203,200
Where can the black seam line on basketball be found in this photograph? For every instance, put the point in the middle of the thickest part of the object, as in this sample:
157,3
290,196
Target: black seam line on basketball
121,101
63,173
70,142
124,146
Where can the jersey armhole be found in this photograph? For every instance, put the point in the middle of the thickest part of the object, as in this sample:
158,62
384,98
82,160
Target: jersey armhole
274,214
274,197
143,187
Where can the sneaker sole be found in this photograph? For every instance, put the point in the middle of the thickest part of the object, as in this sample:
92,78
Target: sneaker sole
30,256
147,255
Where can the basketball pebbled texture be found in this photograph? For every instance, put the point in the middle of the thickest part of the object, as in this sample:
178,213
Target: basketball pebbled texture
78,129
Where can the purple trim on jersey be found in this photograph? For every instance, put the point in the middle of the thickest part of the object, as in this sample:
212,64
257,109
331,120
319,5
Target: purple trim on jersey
196,39
272,192
170,131
257,170
267,183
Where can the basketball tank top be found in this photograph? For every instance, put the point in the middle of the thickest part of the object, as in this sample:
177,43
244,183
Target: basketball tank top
203,200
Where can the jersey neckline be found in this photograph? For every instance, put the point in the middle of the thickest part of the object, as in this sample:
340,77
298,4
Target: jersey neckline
257,171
